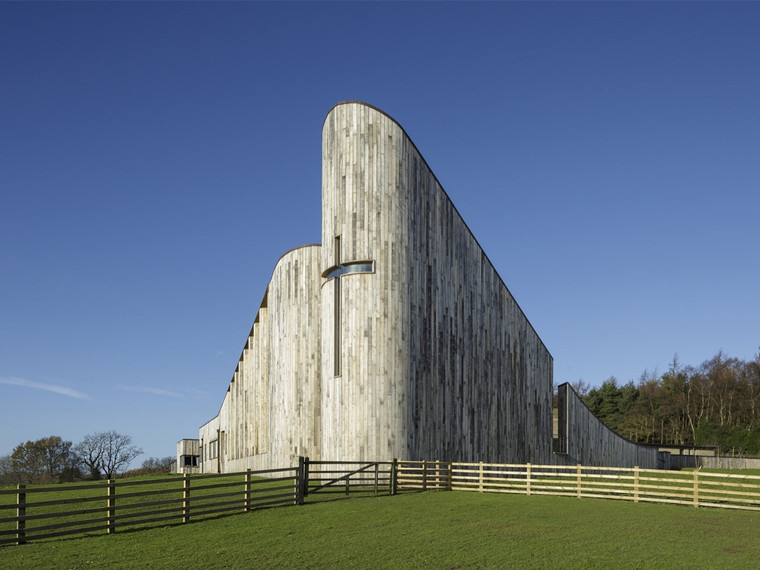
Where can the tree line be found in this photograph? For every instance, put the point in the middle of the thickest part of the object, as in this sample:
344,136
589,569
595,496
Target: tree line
54,460
716,403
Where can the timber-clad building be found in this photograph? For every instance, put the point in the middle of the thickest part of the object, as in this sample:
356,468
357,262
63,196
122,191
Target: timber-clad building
395,337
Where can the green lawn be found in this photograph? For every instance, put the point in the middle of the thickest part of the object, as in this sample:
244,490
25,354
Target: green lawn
432,530
754,472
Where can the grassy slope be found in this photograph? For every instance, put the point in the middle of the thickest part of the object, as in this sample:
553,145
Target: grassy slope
441,530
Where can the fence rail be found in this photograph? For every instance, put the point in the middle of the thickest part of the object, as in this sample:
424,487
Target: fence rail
59,510
345,476
424,475
695,488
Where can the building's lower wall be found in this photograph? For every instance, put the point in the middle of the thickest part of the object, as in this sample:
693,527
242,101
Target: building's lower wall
295,368
271,412
587,441
209,434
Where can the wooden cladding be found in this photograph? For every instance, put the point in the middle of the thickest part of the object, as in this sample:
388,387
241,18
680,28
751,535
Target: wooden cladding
454,369
590,442
396,337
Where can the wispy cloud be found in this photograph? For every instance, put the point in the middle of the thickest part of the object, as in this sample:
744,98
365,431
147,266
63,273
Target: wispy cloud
149,390
57,389
196,393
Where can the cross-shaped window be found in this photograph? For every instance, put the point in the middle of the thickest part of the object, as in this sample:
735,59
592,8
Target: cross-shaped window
336,272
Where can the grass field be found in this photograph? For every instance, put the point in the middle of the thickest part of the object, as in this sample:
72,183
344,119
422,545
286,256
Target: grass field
727,471
429,530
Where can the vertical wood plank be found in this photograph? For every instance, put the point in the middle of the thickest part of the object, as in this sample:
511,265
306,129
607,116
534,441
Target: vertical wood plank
247,493
636,484
527,479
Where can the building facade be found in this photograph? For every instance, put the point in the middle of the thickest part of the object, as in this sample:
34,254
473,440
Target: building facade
394,337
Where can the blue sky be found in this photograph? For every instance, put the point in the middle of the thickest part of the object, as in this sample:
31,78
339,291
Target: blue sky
157,159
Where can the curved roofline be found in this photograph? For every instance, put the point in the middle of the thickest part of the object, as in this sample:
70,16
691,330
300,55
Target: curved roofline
456,210
256,317
365,104
605,426
291,250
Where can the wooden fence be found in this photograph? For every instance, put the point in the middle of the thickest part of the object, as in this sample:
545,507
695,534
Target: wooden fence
695,488
58,510
424,475
345,476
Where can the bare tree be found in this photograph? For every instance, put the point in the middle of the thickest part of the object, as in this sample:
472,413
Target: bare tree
90,452
107,453
582,388
8,474
159,464
61,463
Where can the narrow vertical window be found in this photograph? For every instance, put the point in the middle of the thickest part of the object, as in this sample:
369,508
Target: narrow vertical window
335,274
336,316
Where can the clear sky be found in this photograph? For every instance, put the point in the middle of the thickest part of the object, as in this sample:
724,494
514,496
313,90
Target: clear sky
157,159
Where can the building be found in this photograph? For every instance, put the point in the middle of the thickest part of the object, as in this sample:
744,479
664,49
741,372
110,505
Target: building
395,337
188,456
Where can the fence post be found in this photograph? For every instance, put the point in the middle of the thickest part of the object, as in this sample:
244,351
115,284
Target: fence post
306,474
424,475
527,478
21,514
377,475
185,498
451,476
578,479
696,488
299,479
394,477
636,484
480,477
247,494
111,516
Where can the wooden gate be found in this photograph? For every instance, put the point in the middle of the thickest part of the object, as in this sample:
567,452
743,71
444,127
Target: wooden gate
347,476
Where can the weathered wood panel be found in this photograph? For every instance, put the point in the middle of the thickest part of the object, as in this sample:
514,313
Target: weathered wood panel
590,442
295,350
271,413
426,355
364,406
440,360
